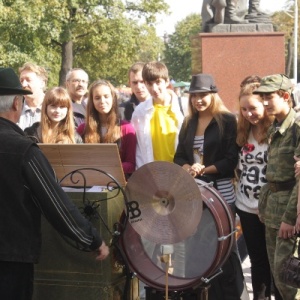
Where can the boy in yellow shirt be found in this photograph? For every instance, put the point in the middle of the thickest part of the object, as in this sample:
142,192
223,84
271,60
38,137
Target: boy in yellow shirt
157,120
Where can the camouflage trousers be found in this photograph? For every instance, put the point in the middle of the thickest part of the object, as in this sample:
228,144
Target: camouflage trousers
278,251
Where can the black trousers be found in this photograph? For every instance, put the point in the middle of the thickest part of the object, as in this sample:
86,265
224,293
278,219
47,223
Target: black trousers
16,280
254,234
230,284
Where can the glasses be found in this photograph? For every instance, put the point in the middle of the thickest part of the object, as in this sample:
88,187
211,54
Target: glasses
80,81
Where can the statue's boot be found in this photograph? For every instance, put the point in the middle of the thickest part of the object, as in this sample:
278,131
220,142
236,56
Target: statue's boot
254,8
230,14
255,15
219,6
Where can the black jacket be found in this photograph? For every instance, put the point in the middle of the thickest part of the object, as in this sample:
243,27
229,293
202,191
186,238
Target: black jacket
129,106
27,189
221,151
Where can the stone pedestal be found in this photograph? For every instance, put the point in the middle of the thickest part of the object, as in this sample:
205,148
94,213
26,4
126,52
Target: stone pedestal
232,56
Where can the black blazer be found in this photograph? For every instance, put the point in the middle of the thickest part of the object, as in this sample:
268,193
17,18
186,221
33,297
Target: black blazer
221,151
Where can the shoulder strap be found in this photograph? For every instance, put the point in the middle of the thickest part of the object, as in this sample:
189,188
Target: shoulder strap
180,105
294,134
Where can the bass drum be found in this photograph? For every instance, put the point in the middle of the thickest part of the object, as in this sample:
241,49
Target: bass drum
194,259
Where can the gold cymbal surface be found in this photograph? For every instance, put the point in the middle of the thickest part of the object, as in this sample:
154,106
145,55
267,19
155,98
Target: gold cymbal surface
164,202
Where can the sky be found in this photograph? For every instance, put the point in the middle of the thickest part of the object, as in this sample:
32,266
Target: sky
182,8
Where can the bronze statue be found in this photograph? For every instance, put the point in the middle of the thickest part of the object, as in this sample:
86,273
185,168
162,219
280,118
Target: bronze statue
232,12
255,15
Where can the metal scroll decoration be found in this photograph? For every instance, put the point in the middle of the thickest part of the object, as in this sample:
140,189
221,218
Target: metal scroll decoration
89,208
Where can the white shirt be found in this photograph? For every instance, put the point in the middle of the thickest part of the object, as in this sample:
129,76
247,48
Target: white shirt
140,120
253,165
29,117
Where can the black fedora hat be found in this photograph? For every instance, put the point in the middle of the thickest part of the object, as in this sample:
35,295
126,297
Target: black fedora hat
203,83
10,83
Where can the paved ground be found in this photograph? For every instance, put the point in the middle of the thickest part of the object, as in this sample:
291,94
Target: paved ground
247,275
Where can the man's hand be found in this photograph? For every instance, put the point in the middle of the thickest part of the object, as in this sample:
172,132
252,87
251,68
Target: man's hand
102,252
297,166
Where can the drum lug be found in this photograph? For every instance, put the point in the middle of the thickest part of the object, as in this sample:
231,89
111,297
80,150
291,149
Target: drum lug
207,280
210,184
211,200
223,238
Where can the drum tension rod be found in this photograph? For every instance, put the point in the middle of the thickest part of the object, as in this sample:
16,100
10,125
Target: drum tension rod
207,280
225,237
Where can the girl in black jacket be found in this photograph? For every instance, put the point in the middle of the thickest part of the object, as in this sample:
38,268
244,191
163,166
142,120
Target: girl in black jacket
207,149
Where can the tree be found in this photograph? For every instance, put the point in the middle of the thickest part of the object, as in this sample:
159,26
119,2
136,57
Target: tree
61,33
178,53
284,21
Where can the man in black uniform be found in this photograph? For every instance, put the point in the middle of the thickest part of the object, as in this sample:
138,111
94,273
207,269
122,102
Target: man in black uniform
28,189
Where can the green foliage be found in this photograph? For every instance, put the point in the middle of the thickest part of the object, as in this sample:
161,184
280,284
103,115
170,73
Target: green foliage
284,22
178,52
107,35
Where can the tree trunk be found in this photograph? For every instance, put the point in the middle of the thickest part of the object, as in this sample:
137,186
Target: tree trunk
66,61
289,58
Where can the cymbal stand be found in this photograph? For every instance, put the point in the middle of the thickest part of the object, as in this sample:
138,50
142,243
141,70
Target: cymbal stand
166,259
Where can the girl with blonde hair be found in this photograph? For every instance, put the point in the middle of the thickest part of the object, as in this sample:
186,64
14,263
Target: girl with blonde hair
207,150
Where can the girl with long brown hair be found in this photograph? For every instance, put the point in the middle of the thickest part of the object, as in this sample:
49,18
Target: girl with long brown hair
103,123
253,125
57,124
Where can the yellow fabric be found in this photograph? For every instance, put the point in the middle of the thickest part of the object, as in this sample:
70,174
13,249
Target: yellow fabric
163,131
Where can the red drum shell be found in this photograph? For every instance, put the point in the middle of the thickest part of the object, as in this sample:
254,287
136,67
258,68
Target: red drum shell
195,258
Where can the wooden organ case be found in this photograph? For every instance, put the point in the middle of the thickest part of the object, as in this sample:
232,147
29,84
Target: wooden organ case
90,174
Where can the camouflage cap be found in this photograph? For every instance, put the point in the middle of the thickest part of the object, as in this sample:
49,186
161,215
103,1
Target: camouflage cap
273,83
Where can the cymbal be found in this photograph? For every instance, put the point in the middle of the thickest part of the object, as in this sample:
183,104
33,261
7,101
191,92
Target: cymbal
164,202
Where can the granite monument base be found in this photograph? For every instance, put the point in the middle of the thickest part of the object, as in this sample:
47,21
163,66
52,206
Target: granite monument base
232,56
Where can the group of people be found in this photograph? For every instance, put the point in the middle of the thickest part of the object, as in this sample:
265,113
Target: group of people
252,163
250,159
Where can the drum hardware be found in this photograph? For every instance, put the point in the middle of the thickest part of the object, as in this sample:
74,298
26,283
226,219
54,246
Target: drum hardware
207,280
210,184
166,249
166,258
204,294
117,230
211,200
223,238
